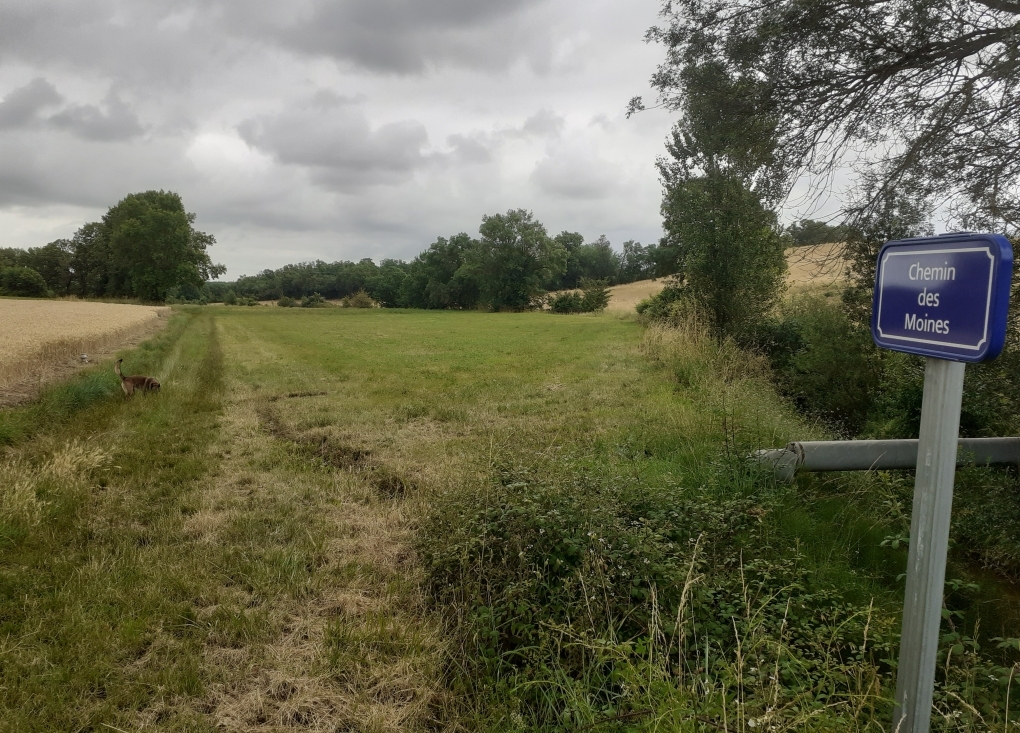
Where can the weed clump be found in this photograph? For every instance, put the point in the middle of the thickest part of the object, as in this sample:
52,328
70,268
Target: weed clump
360,299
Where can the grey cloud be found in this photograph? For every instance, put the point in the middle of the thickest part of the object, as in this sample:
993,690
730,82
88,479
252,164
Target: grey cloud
333,138
574,173
91,123
470,149
23,109
175,40
544,123
23,106
409,35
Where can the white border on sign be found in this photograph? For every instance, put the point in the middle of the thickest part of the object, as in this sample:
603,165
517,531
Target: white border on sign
988,304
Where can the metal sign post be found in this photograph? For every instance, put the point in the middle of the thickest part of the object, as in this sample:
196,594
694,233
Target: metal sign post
945,298
929,543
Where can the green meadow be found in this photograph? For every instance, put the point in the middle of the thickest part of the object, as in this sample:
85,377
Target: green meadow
378,520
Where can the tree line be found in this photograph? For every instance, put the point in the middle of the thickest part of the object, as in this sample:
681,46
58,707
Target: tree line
510,264
145,247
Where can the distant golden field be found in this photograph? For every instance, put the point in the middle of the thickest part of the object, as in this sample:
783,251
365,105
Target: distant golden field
815,264
34,334
809,266
624,298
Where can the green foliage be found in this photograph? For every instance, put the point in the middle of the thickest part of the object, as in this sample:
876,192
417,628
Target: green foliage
313,301
823,361
287,302
387,285
568,301
596,295
729,257
809,231
23,281
723,242
230,297
145,247
360,299
440,278
91,261
154,248
53,262
593,298
834,83
514,259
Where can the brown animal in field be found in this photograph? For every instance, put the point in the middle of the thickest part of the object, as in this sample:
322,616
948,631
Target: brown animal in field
130,384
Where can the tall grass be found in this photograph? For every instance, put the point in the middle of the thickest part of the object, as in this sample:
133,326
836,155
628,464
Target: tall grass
590,593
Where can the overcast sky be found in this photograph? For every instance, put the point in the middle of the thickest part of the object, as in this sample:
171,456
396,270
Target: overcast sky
329,129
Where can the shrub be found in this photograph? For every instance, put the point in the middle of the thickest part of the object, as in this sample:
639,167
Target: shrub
566,302
596,295
313,301
360,299
826,363
658,306
287,302
23,281
230,298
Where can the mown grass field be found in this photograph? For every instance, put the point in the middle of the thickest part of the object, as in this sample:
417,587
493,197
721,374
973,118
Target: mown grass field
378,520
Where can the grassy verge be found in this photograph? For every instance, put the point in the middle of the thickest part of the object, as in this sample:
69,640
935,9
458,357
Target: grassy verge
654,580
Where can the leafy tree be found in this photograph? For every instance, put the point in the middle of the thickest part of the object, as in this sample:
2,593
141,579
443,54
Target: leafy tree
514,259
154,248
53,262
927,89
637,262
809,231
90,261
596,295
386,285
573,270
438,277
729,255
598,261
721,240
22,281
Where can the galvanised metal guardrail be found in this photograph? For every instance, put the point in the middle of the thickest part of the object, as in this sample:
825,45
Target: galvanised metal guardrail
879,455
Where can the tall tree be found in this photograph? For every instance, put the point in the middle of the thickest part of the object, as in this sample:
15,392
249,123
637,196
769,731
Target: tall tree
514,259
729,255
924,90
154,248
598,261
90,261
439,277
721,239
53,262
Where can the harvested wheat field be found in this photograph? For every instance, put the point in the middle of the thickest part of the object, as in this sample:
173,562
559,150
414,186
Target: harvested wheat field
624,298
809,266
815,264
41,339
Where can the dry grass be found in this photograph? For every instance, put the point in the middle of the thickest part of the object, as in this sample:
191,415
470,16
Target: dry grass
624,298
809,267
38,333
816,264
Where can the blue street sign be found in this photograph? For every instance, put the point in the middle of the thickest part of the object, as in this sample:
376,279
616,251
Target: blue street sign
945,296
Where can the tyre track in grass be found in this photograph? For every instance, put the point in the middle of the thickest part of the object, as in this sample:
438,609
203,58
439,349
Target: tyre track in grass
319,621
